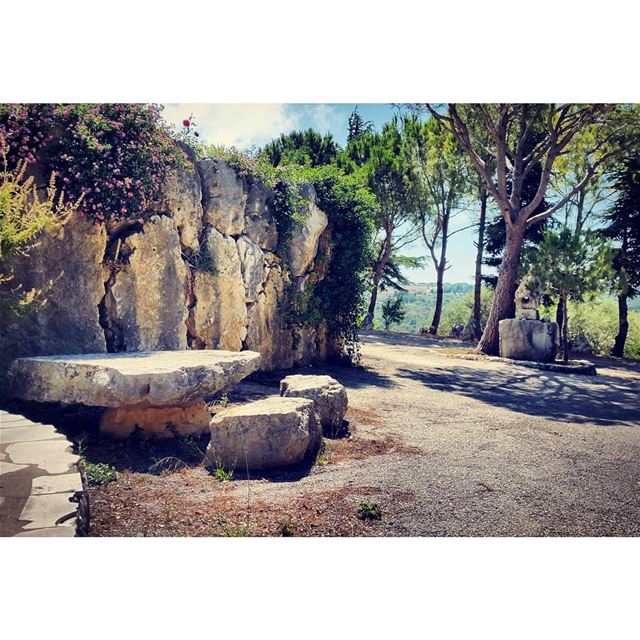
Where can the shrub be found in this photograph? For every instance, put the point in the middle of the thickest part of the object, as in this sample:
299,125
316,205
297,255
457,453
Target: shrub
99,473
459,310
23,215
114,155
369,510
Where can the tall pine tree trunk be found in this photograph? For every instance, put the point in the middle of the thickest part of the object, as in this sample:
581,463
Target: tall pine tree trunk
623,327
440,269
437,313
560,314
565,328
507,277
477,291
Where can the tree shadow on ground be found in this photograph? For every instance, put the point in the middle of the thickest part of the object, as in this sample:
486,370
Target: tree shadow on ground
352,377
395,338
602,400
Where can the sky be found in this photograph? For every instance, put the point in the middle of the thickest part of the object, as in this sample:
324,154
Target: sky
252,125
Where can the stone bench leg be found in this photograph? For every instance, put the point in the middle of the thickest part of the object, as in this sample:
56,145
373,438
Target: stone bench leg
191,419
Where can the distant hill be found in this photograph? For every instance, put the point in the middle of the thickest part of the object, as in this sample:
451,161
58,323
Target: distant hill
420,300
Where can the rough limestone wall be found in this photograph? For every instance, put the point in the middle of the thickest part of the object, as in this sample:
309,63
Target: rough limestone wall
145,287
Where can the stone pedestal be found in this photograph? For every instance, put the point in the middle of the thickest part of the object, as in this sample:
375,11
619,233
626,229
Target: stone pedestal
525,339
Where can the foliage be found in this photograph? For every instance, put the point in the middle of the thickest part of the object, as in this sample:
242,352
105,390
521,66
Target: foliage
458,310
597,321
570,264
24,213
307,148
350,208
99,473
358,126
369,510
393,311
392,276
114,156
623,227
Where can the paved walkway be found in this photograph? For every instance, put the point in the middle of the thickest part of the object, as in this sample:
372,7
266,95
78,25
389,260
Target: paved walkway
41,491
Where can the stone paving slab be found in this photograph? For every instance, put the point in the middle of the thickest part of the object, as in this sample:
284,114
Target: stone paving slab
29,433
41,490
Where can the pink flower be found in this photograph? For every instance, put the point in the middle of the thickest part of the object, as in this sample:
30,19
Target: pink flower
186,123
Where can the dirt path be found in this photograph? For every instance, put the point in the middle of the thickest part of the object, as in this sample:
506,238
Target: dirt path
445,446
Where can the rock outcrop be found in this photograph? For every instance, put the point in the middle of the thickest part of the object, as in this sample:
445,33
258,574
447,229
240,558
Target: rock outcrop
266,434
224,196
65,266
148,295
303,244
206,272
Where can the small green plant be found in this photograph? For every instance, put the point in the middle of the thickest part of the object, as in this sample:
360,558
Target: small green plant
236,531
322,458
369,510
99,473
224,400
221,474
286,531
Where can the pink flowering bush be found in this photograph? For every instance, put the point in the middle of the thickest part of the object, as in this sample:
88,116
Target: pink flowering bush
116,156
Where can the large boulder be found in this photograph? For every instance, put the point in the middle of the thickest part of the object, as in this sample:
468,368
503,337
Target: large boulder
267,434
146,304
303,242
523,339
219,316
223,196
328,395
158,378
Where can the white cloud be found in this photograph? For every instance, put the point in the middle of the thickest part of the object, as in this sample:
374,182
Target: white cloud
239,125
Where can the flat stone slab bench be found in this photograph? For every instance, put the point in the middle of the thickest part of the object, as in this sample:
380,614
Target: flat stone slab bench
147,389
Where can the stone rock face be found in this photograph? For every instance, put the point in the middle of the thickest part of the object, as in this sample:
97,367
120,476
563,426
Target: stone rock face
522,339
581,345
260,225
66,266
159,378
267,434
182,200
220,313
328,395
191,419
223,196
303,243
206,272
252,267
266,331
147,301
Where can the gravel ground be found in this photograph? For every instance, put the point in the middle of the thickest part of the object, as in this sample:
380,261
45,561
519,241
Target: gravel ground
449,447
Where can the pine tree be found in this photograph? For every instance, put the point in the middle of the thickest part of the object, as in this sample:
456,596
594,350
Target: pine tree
624,230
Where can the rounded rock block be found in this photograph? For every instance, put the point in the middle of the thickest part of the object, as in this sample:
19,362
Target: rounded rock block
523,339
328,395
161,422
273,433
